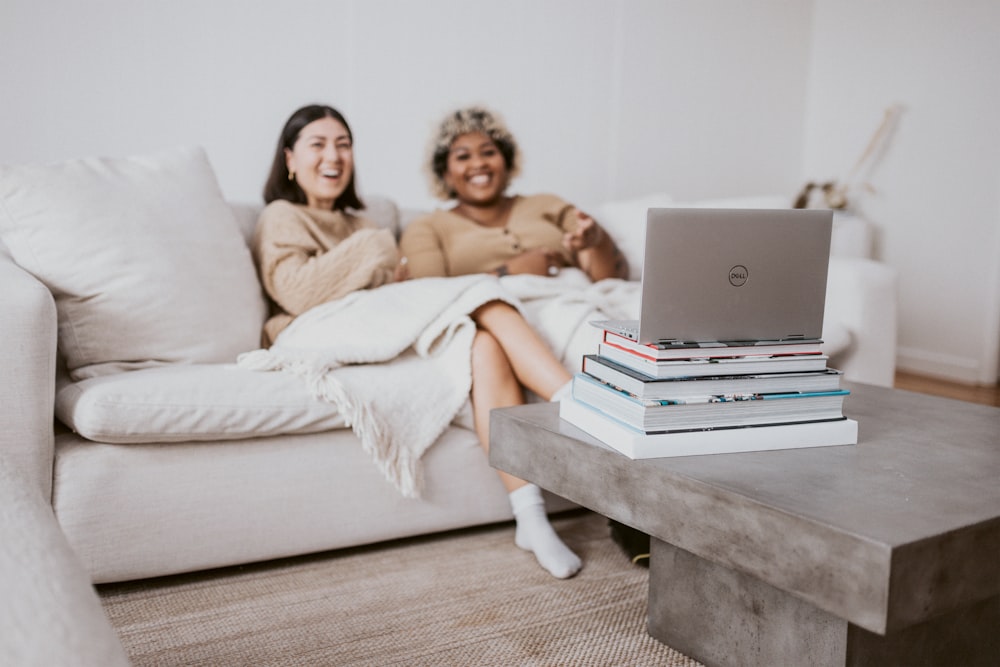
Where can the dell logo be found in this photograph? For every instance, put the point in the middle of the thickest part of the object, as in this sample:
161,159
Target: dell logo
738,275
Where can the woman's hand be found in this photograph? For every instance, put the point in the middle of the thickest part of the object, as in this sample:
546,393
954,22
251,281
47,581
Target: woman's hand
594,250
538,261
402,271
587,234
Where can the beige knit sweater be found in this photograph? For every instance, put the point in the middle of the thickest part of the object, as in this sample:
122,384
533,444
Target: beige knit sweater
444,243
307,256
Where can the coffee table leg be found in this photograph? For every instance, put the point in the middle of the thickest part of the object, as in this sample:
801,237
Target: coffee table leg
722,617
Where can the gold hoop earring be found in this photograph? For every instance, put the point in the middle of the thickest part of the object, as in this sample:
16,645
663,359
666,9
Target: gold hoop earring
291,175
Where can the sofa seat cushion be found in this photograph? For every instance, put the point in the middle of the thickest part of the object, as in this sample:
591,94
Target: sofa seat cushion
197,402
132,512
143,256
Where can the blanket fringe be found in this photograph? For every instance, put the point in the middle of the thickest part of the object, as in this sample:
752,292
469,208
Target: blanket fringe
375,435
260,360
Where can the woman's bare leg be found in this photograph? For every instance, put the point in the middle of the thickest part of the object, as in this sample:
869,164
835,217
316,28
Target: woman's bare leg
534,363
494,385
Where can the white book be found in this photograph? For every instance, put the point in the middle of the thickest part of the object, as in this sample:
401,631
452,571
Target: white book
637,444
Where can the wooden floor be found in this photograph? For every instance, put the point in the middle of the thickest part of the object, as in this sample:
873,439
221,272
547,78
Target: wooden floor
935,387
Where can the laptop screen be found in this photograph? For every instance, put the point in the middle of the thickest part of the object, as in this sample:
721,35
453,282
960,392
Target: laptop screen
734,274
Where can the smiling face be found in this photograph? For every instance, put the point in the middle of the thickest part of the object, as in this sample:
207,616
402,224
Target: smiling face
322,161
477,172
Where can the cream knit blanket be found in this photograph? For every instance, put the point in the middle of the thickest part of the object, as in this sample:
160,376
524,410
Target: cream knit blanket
396,360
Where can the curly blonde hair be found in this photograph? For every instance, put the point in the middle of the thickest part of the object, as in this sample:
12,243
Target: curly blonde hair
466,121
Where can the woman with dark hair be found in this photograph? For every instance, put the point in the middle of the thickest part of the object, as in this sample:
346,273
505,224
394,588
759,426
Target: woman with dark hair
281,182
311,249
308,247
473,157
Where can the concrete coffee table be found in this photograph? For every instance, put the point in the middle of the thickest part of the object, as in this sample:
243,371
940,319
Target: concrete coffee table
886,552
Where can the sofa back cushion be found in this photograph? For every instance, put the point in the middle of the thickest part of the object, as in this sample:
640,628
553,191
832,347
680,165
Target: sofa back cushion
378,208
143,256
625,220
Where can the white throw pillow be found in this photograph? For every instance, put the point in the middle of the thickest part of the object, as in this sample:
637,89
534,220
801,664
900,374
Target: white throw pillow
143,256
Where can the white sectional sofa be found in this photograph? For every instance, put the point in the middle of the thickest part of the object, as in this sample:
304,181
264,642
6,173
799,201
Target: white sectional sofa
133,447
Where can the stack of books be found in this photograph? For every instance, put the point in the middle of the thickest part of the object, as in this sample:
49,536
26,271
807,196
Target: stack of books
684,399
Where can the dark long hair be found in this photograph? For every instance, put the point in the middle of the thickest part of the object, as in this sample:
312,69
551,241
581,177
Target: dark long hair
278,185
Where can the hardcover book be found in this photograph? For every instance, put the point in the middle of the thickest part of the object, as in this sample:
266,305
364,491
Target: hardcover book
637,444
645,387
693,350
711,411
763,363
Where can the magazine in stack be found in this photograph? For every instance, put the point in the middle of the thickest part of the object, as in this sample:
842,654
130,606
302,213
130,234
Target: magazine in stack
684,399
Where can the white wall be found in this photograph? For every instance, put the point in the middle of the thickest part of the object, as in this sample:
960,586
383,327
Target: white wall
607,98
699,98
937,188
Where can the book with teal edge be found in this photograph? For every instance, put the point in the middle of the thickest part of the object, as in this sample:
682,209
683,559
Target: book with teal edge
708,411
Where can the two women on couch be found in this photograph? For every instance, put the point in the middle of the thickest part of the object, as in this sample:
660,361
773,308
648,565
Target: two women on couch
310,250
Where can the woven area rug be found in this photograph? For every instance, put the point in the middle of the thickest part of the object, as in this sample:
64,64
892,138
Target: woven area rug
462,598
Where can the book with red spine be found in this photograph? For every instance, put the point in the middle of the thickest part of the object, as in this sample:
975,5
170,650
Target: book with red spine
709,350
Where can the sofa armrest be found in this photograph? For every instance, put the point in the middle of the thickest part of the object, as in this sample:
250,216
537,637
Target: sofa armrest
861,297
27,366
49,611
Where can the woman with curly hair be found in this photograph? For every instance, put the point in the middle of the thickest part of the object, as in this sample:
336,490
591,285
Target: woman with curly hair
473,158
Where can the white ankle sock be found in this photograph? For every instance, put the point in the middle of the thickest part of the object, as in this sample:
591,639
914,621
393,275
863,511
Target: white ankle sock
534,533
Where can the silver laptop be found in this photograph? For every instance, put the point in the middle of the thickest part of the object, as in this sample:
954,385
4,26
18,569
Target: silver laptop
723,275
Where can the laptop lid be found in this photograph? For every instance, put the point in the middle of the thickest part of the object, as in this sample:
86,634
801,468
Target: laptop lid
734,274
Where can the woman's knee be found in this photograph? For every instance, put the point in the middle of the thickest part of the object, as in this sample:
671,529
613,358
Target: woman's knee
493,308
486,350
488,358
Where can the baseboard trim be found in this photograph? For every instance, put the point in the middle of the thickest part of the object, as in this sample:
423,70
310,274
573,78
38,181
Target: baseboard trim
949,367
